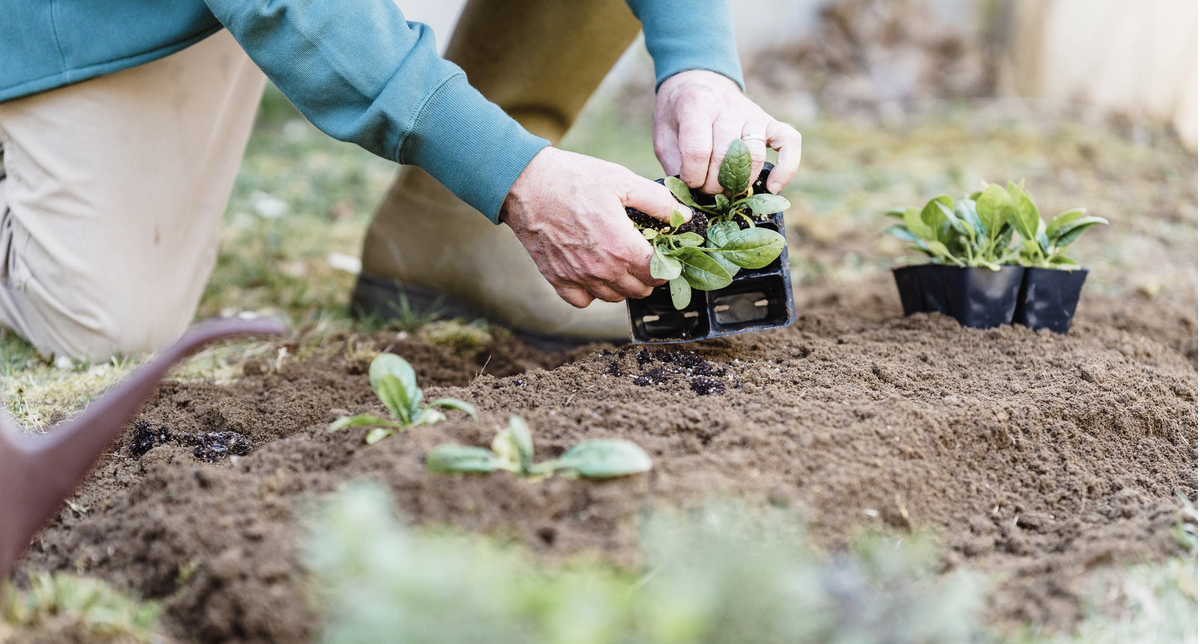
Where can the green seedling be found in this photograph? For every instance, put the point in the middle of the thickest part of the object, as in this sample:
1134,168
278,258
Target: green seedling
977,231
512,451
689,261
395,382
1043,244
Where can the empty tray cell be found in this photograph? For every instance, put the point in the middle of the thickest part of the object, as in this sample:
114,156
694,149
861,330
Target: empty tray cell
654,319
750,304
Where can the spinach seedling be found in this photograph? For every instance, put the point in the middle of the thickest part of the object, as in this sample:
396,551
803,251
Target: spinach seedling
689,260
1043,244
977,231
395,382
512,451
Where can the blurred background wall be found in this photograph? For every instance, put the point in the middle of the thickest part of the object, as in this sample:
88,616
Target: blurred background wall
1136,58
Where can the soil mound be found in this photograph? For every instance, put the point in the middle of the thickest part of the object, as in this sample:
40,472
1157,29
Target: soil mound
1036,456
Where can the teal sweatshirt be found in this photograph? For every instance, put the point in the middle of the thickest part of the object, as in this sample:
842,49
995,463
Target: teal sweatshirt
355,68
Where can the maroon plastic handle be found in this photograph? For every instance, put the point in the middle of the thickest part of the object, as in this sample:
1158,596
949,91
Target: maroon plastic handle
37,473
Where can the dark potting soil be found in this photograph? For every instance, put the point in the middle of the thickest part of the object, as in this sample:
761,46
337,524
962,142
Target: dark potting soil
1034,456
697,224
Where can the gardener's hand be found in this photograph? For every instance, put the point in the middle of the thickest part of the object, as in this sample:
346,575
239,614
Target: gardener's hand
698,113
568,210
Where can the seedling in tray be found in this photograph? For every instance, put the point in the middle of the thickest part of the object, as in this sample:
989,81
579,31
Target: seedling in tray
512,451
708,253
395,382
975,275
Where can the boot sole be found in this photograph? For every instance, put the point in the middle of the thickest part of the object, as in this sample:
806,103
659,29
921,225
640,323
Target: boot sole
389,300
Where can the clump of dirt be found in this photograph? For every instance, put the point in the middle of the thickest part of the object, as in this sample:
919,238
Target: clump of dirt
1034,456
207,446
702,375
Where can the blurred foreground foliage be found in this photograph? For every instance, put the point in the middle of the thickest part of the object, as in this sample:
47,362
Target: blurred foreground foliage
60,607
712,575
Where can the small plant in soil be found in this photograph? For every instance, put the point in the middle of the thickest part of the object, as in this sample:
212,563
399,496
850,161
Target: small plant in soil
512,451
395,382
721,239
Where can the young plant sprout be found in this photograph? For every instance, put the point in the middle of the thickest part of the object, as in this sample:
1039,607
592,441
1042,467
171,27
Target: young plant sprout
395,382
977,231
512,451
690,260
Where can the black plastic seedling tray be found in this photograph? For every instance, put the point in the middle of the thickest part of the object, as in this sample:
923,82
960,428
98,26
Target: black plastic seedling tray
757,299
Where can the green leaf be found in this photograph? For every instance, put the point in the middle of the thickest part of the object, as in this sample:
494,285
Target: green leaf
951,223
995,208
1026,218
902,232
649,233
428,416
898,213
722,203
394,396
1064,219
663,267
729,266
932,214
701,272
681,293
378,434
391,364
605,459
917,226
752,247
939,250
1063,261
522,442
455,459
965,209
1067,234
734,173
720,231
454,403
677,219
764,203
689,239
681,191
361,420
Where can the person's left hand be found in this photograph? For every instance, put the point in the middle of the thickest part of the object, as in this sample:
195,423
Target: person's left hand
698,113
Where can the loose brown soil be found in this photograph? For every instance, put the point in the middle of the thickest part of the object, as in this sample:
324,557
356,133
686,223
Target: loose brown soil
1037,457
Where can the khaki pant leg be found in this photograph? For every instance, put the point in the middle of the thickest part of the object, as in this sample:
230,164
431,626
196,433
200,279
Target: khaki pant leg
115,191
539,60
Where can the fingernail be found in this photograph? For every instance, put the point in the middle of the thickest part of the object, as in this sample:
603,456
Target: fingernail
773,187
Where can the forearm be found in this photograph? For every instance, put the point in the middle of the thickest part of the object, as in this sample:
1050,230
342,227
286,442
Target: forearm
363,74
699,36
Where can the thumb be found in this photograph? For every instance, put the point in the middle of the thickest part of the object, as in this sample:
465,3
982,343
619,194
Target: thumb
655,200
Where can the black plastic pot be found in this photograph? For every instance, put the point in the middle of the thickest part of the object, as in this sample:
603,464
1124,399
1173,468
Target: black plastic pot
977,297
756,300
1048,298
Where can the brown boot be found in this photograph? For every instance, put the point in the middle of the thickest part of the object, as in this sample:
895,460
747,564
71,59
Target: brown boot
426,250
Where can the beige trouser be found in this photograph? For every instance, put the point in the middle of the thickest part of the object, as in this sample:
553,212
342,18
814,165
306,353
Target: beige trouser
116,185
115,191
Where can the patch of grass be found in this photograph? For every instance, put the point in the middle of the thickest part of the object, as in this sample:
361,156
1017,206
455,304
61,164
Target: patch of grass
65,607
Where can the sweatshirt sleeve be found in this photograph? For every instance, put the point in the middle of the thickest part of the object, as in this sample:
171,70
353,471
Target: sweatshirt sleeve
362,73
681,36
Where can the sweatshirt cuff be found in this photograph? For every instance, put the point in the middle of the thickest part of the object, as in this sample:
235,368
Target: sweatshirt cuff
701,39
469,145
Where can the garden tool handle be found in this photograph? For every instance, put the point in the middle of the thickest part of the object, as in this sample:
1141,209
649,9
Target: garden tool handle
38,472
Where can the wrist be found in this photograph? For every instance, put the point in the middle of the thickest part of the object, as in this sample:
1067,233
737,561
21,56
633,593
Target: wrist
521,194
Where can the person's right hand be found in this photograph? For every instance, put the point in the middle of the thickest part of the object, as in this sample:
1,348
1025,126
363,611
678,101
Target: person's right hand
568,210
